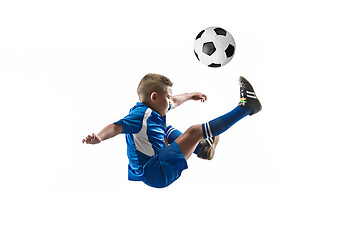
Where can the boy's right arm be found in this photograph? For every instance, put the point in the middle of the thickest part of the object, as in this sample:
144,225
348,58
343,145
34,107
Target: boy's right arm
109,131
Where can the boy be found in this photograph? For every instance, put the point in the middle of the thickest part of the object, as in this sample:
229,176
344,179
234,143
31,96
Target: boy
151,160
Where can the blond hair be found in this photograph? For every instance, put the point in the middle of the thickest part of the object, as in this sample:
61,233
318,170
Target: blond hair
152,83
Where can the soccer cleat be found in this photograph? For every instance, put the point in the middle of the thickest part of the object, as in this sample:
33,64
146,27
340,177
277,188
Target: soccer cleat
207,147
248,96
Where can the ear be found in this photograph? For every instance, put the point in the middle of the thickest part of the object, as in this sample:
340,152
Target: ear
153,96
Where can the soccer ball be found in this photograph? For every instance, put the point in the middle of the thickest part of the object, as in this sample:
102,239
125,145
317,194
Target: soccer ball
214,47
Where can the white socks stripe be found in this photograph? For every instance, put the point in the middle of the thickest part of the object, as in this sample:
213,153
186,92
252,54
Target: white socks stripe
208,132
169,132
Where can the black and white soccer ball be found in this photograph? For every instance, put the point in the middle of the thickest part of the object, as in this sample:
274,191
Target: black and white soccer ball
214,47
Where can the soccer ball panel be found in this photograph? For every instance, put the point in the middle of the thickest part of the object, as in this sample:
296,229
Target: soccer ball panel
214,65
208,48
205,59
230,51
198,45
218,57
199,35
220,31
208,35
221,43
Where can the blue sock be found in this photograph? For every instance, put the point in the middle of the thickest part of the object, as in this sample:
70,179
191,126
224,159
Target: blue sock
221,124
172,134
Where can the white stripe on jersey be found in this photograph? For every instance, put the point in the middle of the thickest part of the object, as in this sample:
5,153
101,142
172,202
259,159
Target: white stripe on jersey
141,139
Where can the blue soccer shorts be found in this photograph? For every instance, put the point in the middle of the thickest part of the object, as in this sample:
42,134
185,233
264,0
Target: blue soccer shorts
164,168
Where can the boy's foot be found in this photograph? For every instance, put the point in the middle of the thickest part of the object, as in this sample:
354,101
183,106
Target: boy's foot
248,96
207,147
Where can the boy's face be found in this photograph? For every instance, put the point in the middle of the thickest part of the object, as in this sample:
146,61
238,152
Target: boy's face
163,101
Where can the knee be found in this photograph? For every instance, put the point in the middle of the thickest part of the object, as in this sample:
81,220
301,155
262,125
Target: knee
196,131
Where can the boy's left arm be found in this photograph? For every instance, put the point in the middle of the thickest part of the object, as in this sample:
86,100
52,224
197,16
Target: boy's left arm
180,99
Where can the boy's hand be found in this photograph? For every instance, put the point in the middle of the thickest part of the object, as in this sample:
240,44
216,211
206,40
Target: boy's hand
198,96
180,99
92,139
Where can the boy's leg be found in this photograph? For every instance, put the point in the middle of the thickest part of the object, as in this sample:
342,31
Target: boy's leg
191,137
219,125
189,140
248,105
172,134
205,148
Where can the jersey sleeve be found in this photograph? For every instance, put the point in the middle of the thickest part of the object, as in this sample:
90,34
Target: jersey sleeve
132,123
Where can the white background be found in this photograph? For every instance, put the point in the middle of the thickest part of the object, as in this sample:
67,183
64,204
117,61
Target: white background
68,68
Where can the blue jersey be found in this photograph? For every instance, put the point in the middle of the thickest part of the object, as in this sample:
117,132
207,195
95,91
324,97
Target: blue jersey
145,136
